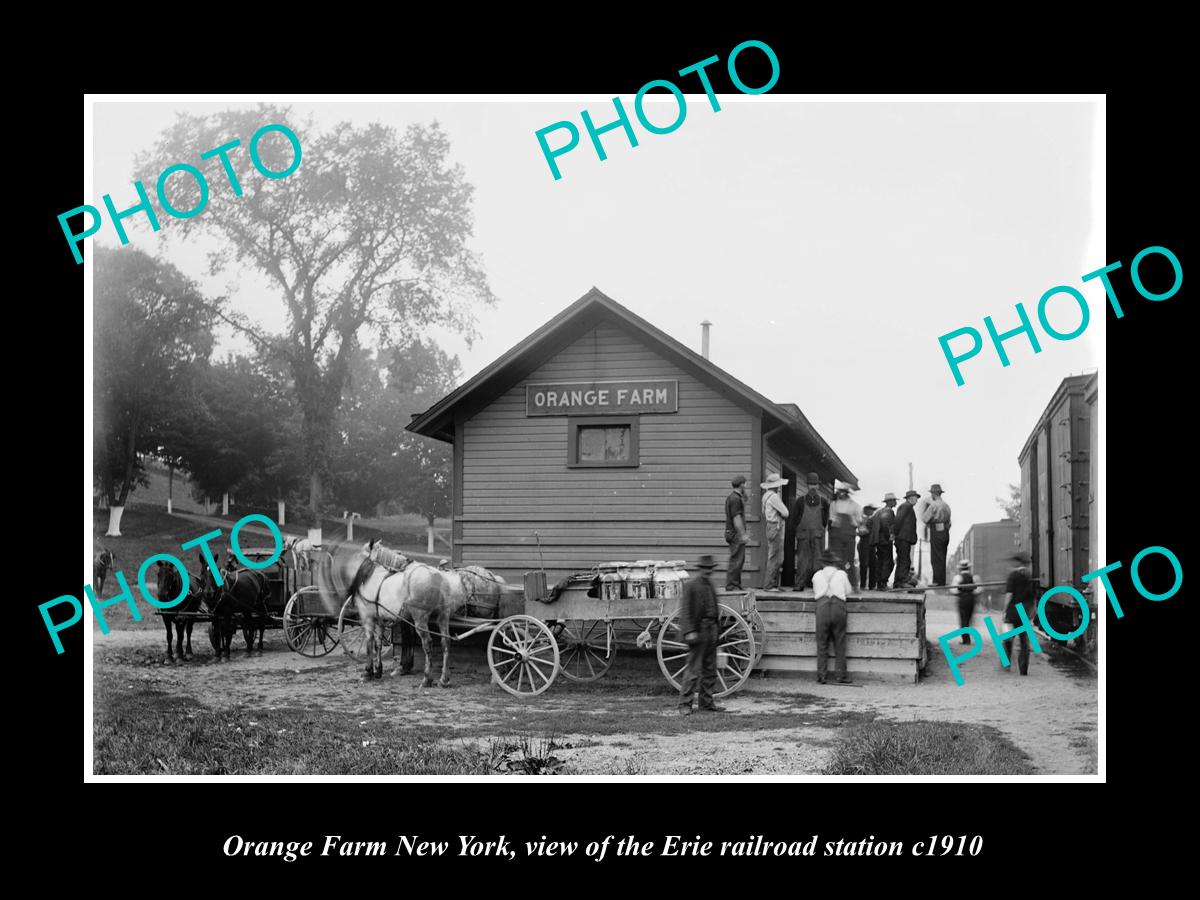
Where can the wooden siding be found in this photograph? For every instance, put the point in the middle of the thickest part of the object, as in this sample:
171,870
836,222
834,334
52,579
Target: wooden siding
515,478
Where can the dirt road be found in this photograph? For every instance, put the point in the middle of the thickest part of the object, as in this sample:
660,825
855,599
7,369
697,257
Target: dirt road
626,723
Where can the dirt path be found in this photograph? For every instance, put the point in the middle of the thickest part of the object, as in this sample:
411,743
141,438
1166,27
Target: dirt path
1051,713
626,723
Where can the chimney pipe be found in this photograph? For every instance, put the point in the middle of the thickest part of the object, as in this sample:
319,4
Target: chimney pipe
704,326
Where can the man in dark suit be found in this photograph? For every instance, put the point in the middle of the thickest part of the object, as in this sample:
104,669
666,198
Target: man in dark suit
698,625
904,533
882,524
866,566
809,514
1019,591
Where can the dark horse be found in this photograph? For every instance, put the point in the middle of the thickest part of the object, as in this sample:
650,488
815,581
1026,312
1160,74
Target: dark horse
170,585
103,561
244,592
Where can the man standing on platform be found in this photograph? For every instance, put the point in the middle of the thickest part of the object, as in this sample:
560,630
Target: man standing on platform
904,534
831,587
844,518
935,513
810,513
775,514
735,533
882,526
866,565
698,625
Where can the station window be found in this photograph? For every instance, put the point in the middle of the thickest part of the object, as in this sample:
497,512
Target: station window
602,442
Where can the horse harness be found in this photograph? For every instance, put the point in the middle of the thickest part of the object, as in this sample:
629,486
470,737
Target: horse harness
226,592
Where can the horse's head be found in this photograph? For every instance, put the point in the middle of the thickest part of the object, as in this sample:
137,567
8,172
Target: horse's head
206,583
170,583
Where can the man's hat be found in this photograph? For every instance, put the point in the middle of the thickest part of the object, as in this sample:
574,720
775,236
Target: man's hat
870,507
738,480
814,478
706,561
889,496
911,493
829,558
964,564
839,485
773,481
936,489
1022,556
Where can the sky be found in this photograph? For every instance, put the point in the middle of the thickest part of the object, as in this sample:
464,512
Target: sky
829,243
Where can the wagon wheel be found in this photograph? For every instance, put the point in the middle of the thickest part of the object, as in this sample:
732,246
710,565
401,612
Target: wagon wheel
351,636
308,629
212,635
587,649
759,628
523,655
735,645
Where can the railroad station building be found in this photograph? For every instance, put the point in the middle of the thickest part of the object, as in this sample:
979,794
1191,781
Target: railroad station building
600,438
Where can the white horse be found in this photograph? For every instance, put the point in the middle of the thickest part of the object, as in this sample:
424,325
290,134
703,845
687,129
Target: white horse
416,596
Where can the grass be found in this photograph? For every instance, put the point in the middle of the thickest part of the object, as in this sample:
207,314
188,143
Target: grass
926,748
150,733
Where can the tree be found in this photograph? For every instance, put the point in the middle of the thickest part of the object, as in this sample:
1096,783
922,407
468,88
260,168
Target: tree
422,468
151,328
234,434
370,230
377,460
1011,506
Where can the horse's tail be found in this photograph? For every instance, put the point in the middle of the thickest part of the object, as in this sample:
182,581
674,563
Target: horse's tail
360,577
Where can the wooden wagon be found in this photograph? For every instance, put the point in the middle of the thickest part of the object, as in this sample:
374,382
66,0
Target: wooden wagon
536,636
295,602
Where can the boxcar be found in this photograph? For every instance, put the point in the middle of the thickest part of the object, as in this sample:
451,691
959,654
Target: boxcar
1058,493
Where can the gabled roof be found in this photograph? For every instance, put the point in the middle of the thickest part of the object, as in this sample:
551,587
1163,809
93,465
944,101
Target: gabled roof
582,316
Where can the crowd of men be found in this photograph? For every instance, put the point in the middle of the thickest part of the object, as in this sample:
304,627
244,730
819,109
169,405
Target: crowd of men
871,544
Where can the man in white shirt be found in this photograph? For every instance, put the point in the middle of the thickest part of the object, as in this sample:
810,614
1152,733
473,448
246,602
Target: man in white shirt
831,587
775,513
935,513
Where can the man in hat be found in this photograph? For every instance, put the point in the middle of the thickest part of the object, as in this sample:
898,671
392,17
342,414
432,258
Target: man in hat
698,625
904,533
935,513
810,515
1019,591
775,513
965,587
866,566
830,588
882,525
735,533
844,518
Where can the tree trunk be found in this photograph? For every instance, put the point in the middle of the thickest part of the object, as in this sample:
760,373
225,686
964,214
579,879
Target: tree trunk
225,504
170,487
130,459
282,518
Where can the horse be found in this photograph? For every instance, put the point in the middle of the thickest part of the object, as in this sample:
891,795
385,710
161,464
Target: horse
415,595
170,584
101,563
244,591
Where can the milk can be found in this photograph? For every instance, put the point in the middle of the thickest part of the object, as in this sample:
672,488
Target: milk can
637,585
668,584
610,582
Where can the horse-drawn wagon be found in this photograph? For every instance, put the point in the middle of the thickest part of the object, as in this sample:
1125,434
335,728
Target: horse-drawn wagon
288,594
534,634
